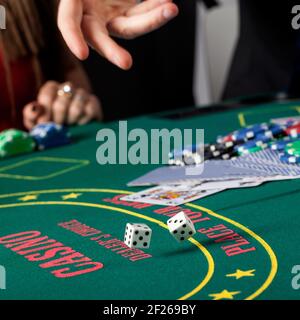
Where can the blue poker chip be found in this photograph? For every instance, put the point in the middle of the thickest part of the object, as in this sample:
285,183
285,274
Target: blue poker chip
256,128
273,132
50,135
264,137
251,144
288,159
250,132
281,144
178,153
276,129
239,137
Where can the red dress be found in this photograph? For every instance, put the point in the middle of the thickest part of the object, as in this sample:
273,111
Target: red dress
24,91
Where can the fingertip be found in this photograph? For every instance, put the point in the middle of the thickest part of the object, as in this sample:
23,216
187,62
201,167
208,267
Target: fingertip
123,61
170,11
84,53
128,62
81,52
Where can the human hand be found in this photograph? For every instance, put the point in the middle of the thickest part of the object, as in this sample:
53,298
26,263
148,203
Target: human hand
58,104
92,22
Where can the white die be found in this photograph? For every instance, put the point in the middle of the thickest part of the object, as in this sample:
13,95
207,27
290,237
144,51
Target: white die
137,235
181,227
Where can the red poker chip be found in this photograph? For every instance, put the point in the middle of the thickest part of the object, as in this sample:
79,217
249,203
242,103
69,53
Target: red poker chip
293,129
228,138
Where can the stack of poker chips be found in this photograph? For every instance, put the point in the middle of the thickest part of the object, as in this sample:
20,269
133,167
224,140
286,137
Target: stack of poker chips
50,135
193,155
220,151
261,136
15,142
190,155
241,142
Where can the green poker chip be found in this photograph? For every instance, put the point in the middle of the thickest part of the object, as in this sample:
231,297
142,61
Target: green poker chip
293,148
250,150
14,142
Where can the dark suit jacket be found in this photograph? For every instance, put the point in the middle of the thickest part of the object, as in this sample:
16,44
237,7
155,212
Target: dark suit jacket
265,53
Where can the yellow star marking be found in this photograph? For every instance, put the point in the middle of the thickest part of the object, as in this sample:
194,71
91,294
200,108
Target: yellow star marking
225,294
29,197
71,196
240,274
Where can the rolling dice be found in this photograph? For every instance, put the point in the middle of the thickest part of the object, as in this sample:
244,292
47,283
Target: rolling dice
137,235
181,227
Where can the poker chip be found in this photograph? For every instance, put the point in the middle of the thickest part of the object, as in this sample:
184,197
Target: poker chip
293,131
280,145
264,138
220,147
293,152
226,156
228,138
293,148
291,122
50,135
288,159
276,129
250,150
179,153
249,132
14,142
244,141
244,136
251,145
191,158
191,155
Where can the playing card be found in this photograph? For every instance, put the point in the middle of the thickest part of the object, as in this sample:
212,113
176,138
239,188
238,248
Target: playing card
213,171
268,162
226,184
170,195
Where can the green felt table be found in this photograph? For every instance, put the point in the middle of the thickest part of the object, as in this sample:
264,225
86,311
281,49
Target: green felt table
62,222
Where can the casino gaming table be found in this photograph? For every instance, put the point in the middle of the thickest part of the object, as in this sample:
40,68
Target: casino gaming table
62,223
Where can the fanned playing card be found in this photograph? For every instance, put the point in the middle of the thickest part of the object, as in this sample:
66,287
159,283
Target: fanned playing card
169,195
213,171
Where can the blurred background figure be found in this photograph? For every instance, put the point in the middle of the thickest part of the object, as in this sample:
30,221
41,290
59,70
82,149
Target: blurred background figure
245,48
265,54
